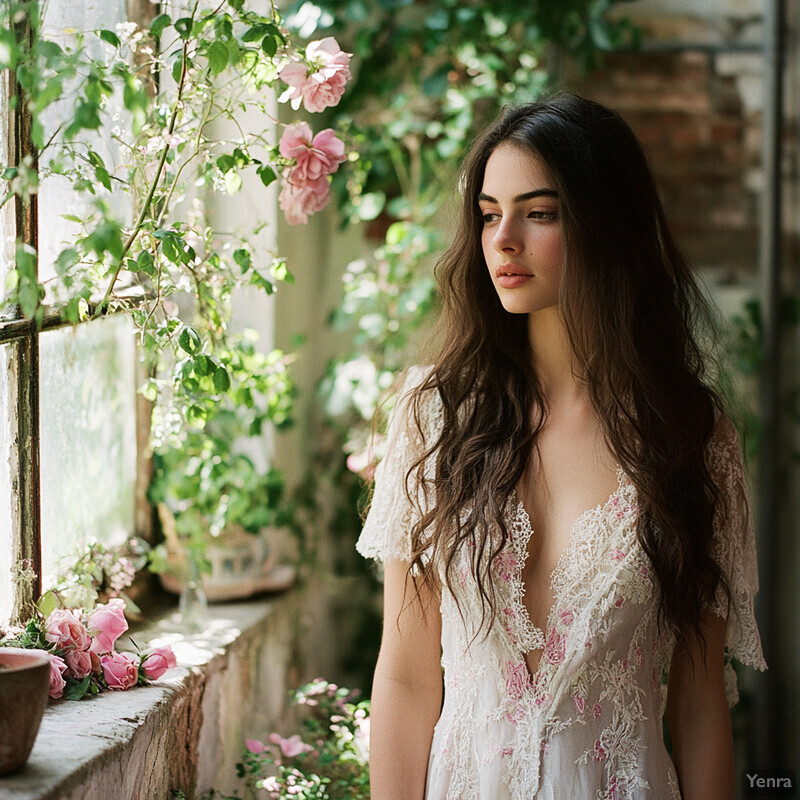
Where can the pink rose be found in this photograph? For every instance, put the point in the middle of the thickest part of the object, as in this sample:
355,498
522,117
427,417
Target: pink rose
57,682
299,200
320,83
158,662
65,629
120,670
316,156
107,623
292,746
79,663
255,746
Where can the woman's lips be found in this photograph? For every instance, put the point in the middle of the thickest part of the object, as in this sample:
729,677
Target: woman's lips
510,276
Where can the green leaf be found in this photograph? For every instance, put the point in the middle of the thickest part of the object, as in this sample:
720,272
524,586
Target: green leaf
189,340
75,691
217,57
269,45
110,37
48,603
222,380
159,23
184,27
144,263
255,33
266,173
226,163
103,176
177,68
242,258
66,259
202,365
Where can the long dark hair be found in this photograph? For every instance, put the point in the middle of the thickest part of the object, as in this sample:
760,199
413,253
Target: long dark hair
632,310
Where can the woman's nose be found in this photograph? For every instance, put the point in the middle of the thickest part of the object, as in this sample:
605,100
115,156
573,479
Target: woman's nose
507,238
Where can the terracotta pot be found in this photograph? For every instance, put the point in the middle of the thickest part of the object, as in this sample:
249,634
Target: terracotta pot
24,691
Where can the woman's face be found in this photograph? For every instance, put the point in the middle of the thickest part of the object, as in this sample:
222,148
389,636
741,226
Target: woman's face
522,241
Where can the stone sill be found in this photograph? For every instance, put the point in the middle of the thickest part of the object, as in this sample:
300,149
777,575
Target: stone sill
185,731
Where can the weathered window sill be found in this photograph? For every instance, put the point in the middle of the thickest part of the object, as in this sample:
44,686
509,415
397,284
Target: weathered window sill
186,731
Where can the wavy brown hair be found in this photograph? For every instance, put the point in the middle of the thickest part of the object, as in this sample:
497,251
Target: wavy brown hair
632,310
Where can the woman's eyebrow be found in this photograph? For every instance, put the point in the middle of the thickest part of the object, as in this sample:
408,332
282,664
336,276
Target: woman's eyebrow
521,198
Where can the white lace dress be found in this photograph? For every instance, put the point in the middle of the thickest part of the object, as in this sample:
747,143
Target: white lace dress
588,723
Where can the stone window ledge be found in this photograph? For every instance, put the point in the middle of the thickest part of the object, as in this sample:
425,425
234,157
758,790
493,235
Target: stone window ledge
186,731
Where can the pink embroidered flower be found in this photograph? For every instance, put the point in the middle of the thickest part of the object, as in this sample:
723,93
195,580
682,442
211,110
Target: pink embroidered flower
107,623
620,602
566,616
506,565
316,156
639,656
555,648
65,629
517,679
624,664
155,664
580,703
320,83
616,554
599,753
79,663
292,746
57,682
597,710
120,670
300,200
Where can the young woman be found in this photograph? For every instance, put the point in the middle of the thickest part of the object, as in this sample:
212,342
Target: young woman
561,511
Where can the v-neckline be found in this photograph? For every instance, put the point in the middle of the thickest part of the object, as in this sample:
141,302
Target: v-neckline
555,585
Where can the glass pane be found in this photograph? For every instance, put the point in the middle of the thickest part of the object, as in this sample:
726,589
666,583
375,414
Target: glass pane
88,438
7,436
7,228
56,195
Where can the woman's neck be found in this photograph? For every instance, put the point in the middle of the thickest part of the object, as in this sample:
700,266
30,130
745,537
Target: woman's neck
553,357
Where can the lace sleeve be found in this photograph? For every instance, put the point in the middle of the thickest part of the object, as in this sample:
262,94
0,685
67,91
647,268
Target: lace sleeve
733,547
392,514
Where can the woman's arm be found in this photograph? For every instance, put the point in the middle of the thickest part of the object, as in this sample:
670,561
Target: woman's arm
407,690
699,720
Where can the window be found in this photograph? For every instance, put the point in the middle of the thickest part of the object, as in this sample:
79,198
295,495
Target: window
68,407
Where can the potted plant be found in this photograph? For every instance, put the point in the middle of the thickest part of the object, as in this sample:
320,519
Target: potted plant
218,509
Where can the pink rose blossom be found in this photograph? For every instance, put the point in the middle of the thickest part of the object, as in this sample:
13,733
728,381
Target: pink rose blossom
107,623
57,682
79,663
65,629
299,200
292,746
120,670
320,83
255,746
316,156
158,662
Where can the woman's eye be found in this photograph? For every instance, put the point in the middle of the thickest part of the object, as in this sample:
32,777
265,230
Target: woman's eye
544,215
489,216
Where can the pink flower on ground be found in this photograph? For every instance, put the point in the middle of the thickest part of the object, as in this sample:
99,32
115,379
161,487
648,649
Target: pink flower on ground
79,663
255,746
316,156
300,200
120,670
57,682
292,746
107,623
320,83
65,629
155,664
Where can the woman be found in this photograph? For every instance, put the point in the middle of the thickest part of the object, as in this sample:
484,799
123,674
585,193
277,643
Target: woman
569,379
